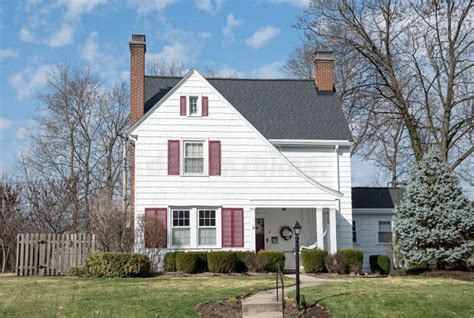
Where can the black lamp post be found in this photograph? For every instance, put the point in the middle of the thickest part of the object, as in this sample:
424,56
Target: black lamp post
297,230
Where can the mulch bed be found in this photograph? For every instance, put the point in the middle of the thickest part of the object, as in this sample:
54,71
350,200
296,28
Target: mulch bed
227,308
460,275
315,311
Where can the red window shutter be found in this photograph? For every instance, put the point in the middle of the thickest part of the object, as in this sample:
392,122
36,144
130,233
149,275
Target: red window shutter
173,157
214,158
232,227
205,106
162,215
182,105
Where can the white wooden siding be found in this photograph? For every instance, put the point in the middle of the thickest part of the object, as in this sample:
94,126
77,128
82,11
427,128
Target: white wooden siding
320,163
367,236
251,168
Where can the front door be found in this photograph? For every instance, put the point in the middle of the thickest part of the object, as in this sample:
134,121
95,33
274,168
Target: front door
259,234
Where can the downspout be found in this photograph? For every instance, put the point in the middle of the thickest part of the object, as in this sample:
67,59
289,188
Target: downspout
336,160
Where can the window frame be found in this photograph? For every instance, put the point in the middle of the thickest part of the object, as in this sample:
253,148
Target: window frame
205,154
198,105
172,227
199,227
378,232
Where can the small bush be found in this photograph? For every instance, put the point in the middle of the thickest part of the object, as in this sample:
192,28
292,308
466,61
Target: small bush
354,260
77,271
335,263
170,262
379,264
313,260
191,262
417,269
223,262
111,265
274,258
242,256
255,262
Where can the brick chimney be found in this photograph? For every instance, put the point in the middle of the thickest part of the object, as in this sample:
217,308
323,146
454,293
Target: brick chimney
137,77
137,100
324,71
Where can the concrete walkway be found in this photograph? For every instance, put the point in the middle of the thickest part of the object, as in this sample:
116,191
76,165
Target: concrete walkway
264,304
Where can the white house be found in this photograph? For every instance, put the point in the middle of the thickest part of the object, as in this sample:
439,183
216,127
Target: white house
234,163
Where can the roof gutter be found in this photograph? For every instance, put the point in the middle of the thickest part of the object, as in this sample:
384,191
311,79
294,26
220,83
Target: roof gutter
311,142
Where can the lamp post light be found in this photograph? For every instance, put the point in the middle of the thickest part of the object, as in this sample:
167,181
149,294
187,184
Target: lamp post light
297,230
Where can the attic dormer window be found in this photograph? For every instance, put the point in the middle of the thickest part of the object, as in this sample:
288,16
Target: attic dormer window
193,106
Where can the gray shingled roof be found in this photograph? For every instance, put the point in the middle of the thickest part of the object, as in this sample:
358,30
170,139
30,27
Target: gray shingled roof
376,198
279,109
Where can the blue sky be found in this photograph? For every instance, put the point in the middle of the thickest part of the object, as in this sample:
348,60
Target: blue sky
242,38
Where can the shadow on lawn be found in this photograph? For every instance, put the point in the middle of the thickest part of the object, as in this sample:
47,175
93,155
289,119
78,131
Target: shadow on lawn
332,296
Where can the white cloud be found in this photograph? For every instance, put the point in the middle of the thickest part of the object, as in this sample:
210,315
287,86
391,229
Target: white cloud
26,36
176,52
145,7
62,37
204,35
5,123
273,70
28,81
262,36
298,3
75,8
227,31
106,65
9,52
209,6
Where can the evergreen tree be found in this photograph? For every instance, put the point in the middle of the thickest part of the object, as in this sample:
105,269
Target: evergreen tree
434,224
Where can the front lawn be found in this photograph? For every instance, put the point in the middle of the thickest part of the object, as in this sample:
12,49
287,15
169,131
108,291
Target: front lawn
395,297
163,296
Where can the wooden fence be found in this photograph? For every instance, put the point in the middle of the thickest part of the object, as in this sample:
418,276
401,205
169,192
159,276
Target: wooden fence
50,254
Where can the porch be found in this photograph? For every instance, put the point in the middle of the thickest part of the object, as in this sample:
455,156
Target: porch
274,229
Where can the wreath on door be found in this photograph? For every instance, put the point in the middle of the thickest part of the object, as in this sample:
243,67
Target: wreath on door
286,233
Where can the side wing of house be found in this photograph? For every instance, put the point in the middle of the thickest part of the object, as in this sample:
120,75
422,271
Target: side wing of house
251,172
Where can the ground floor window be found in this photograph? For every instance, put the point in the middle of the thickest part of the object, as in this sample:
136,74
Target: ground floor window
207,227
181,231
385,232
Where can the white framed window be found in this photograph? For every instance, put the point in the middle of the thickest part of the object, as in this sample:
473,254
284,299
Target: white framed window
193,105
384,232
354,232
207,229
194,158
180,227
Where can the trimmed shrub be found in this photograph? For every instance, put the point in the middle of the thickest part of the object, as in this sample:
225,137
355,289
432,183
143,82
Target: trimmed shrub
313,260
379,264
242,256
170,261
223,262
273,258
191,262
354,260
111,265
335,263
417,269
77,271
255,262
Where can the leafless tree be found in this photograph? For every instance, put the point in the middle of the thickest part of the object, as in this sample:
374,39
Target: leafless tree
110,223
75,150
409,60
158,68
11,221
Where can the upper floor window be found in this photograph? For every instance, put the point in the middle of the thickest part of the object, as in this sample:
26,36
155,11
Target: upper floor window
193,157
193,106
385,232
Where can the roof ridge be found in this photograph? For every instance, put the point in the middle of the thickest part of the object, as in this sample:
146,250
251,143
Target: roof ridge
237,79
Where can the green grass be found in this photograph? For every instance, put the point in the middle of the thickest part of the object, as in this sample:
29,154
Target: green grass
165,296
395,297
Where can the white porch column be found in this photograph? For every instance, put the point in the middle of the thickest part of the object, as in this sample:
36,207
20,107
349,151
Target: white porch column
252,229
333,228
320,228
